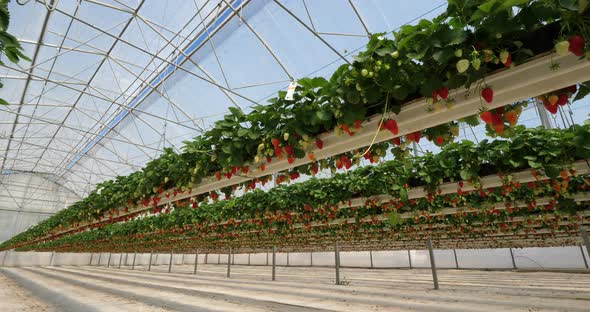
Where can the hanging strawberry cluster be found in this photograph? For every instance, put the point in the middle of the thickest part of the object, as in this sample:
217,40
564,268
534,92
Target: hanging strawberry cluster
553,100
502,120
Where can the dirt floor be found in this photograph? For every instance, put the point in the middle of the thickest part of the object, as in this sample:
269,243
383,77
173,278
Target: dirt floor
250,288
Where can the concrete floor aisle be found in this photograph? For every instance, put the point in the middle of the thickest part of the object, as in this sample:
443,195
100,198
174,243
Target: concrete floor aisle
250,288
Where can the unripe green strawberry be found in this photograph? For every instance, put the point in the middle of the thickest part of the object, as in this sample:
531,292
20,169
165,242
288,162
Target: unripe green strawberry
286,136
458,53
476,62
462,65
395,54
562,48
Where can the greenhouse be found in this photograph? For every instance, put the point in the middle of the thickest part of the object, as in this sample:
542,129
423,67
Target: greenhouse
294,155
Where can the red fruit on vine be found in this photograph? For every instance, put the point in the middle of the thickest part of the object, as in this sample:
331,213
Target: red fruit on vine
268,160
314,169
391,125
488,94
443,92
275,143
486,117
551,108
262,167
577,45
397,141
289,150
290,160
217,175
562,100
357,124
497,119
499,128
294,175
245,169
439,140
572,89
319,143
511,117
435,95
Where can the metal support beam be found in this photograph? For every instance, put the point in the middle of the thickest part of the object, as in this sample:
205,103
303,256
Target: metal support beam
274,258
133,265
126,258
196,262
432,263
311,258
267,258
583,256
99,258
512,257
410,259
218,258
248,258
287,259
371,257
228,262
109,262
337,262
206,258
456,261
51,260
150,263
170,263
120,259
91,256
585,238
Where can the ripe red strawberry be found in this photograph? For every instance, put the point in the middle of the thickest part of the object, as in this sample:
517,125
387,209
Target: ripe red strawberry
497,119
443,92
572,89
577,45
314,169
487,94
319,143
357,124
486,117
289,150
562,99
551,108
275,142
397,141
440,140
499,128
245,169
268,159
511,117
290,160
435,95
217,175
391,125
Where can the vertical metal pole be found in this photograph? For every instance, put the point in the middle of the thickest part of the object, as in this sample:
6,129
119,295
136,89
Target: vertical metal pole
337,262
273,262
287,259
233,258
583,256
126,259
109,263
51,260
150,263
218,258
156,262
228,262
371,257
585,238
267,258
206,257
120,259
182,261
4,258
456,261
99,258
410,259
170,263
133,265
248,258
545,121
91,256
432,263
196,261
512,257
311,258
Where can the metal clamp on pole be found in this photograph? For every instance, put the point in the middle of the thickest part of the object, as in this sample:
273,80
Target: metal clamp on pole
432,263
